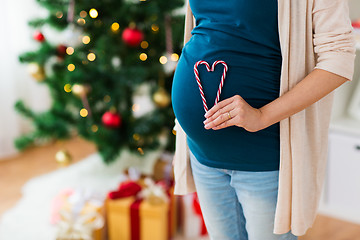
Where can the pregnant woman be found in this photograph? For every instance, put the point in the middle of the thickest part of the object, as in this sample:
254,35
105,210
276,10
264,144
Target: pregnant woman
256,157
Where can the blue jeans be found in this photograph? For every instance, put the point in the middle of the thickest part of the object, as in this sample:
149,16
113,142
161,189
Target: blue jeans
237,205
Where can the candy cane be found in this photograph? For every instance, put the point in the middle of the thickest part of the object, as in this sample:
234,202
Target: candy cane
196,72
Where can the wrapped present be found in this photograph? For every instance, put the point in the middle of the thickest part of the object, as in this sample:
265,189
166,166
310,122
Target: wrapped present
79,215
57,203
160,193
147,215
192,221
163,169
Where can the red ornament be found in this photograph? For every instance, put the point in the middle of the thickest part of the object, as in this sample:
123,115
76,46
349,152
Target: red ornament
61,50
132,36
38,36
112,120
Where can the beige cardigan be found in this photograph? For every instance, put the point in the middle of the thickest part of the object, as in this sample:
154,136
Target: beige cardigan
313,34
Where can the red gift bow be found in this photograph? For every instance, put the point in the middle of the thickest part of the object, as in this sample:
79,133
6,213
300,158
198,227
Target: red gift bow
197,209
126,189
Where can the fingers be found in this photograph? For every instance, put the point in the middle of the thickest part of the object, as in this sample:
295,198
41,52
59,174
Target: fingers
218,106
221,116
228,123
218,114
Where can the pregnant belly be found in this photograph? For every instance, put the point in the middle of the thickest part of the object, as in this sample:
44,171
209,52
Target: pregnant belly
256,89
186,98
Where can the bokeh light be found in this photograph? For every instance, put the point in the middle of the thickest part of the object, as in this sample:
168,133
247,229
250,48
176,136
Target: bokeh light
83,14
93,13
59,14
81,21
91,57
70,50
141,151
174,57
163,60
67,88
135,107
71,67
115,27
136,137
86,39
84,112
94,128
143,56
144,44
154,27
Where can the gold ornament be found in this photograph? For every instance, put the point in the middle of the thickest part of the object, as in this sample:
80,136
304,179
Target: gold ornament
161,98
80,90
63,158
37,71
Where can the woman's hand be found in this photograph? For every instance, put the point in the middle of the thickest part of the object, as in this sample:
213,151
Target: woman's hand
301,96
234,111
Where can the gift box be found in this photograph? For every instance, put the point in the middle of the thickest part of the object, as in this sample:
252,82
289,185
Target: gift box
147,215
163,169
192,221
79,215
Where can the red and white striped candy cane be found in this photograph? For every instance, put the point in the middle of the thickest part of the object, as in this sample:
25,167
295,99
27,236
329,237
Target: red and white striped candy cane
196,72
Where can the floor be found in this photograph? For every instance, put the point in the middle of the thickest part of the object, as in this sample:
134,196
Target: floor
17,170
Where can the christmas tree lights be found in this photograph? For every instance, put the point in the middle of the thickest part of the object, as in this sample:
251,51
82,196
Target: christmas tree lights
111,49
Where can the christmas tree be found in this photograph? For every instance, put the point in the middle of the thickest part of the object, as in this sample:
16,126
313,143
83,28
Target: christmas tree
116,52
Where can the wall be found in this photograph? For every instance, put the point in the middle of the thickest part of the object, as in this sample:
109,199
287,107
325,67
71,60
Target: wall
15,81
354,9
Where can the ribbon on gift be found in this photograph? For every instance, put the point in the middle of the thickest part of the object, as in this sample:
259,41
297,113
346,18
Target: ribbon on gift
197,210
126,189
135,219
78,227
129,185
80,218
154,193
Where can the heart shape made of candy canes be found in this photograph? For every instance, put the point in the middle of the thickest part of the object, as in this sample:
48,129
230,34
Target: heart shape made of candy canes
196,72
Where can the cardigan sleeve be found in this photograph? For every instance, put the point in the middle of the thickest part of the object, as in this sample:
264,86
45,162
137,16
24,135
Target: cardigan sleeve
334,42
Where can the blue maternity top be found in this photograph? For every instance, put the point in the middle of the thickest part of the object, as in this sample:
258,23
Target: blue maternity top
244,34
